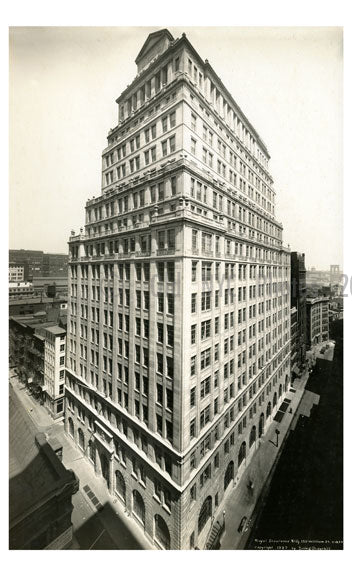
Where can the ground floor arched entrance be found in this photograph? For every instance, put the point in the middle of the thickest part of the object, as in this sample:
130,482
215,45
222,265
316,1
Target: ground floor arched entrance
252,436
229,474
261,425
241,453
161,532
105,469
204,514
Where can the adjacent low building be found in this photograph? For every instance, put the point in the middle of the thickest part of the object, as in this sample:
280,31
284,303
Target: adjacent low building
50,286
20,289
31,260
16,273
55,307
37,351
54,368
40,487
317,320
37,263
294,343
298,303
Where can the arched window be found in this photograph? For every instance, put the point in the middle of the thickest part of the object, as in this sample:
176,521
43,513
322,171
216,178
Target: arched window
261,425
268,410
161,532
71,428
105,469
241,453
80,438
138,506
280,390
286,383
91,451
120,486
252,436
275,399
204,514
229,474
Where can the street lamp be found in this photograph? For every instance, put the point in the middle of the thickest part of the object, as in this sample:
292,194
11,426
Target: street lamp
277,437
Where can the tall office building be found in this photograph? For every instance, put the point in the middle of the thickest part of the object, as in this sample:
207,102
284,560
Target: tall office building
179,306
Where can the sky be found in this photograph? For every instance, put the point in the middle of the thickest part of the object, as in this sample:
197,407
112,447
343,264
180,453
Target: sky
63,85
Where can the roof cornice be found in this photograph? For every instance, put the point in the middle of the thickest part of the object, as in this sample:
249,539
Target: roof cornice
177,43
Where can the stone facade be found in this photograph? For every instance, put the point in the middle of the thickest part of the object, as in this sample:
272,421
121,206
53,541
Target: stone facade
317,320
178,343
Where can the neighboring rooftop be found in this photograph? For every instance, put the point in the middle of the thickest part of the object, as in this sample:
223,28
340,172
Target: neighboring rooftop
31,473
38,300
318,299
56,330
31,322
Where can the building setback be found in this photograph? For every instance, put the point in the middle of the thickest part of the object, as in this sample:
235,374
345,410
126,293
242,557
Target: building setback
179,304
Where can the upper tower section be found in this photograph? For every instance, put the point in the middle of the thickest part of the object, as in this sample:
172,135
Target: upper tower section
155,44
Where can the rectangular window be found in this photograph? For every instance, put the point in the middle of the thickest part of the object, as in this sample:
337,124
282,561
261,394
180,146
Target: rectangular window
206,301
193,121
173,186
205,358
159,363
172,143
192,428
192,399
160,302
194,271
193,333
193,303
164,123
193,365
170,304
173,119
204,417
205,329
194,240
205,387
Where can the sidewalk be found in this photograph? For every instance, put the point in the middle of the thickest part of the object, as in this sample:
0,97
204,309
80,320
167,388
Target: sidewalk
123,530
127,534
240,500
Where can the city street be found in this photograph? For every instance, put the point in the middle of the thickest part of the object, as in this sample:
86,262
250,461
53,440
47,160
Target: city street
304,507
243,501
112,528
105,524
100,521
